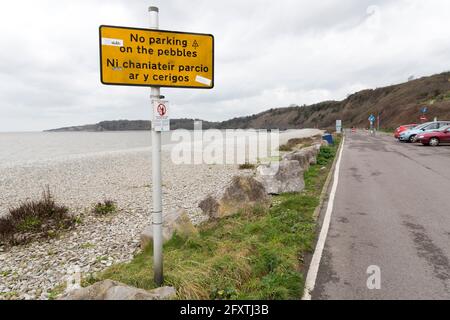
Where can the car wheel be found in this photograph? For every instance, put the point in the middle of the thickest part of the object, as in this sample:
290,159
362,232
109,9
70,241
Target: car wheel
434,142
412,138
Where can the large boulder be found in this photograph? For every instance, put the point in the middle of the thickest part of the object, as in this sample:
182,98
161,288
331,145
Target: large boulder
305,156
178,221
281,177
174,221
242,192
300,156
113,290
147,235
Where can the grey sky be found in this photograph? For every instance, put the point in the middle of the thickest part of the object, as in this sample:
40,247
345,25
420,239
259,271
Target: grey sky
268,54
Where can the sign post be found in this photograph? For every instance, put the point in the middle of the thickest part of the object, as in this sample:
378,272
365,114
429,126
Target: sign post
423,117
338,126
156,58
372,121
156,177
378,121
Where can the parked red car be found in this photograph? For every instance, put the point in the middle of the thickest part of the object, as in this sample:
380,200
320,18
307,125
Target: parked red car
403,128
435,138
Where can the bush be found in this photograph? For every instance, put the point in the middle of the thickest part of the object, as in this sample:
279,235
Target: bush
246,166
326,154
33,219
105,207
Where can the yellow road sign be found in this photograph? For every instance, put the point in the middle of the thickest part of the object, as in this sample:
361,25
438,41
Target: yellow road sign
145,57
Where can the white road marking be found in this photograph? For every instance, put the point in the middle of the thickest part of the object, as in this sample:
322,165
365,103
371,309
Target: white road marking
315,262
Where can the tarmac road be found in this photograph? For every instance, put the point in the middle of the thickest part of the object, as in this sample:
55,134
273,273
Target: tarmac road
391,210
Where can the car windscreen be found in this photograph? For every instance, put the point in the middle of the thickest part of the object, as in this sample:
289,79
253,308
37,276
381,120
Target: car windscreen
420,126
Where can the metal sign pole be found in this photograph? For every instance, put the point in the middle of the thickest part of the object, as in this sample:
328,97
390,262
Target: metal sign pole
156,177
378,122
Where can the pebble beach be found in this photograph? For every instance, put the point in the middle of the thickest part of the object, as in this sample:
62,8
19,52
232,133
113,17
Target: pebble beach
32,271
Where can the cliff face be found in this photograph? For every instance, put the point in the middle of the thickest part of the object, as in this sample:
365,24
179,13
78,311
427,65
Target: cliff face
397,104
400,104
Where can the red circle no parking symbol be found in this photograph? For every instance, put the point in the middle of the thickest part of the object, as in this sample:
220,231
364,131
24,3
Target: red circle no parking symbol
162,110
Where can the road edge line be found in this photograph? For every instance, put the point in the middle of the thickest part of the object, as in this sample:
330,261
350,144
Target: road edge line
317,256
326,185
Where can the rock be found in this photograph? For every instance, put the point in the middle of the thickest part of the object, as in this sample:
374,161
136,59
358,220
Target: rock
305,155
164,293
175,221
210,206
178,221
313,151
147,236
302,157
27,297
242,192
113,290
284,176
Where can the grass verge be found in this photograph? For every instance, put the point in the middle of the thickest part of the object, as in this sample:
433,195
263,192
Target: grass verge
256,254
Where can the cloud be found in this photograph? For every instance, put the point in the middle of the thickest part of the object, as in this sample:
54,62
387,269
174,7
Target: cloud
268,54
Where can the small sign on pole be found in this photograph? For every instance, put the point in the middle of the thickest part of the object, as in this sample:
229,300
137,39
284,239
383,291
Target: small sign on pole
161,119
423,117
338,126
372,119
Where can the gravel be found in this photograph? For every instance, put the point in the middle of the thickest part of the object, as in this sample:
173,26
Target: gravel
32,271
